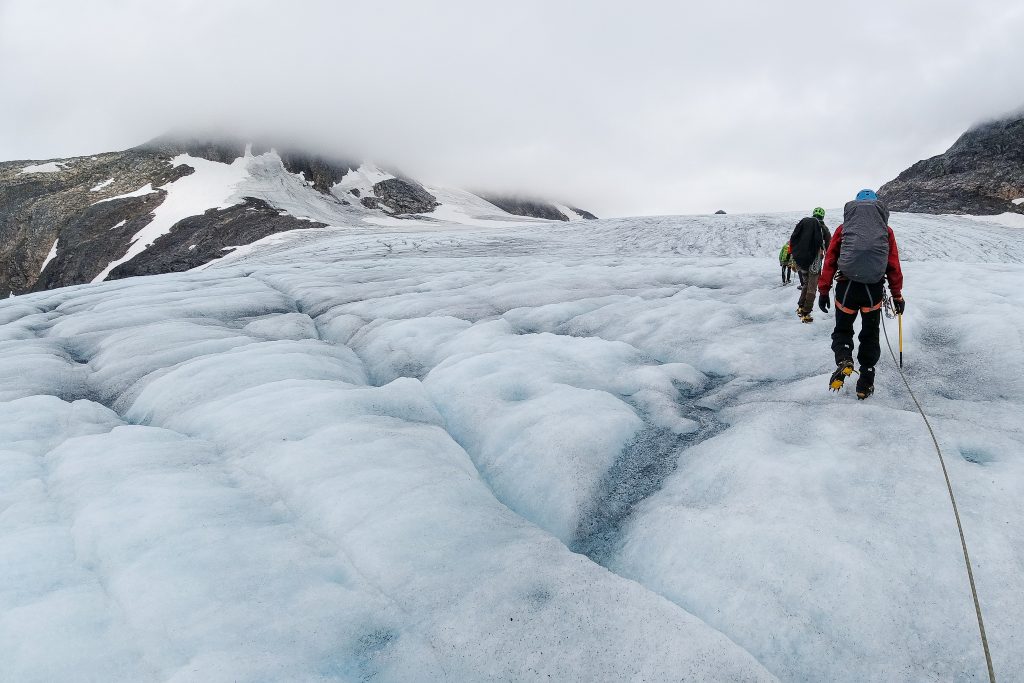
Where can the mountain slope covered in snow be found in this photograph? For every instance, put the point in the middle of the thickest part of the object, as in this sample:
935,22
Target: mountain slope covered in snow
600,452
177,203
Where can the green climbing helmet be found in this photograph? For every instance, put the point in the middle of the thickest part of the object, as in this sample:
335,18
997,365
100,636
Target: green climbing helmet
818,212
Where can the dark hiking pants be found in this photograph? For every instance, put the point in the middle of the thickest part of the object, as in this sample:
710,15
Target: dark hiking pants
787,274
853,298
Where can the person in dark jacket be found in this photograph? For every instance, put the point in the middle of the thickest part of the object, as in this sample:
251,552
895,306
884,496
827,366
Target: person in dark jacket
807,244
854,295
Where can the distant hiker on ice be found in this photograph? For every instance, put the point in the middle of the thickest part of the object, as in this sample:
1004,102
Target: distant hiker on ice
786,261
807,246
862,256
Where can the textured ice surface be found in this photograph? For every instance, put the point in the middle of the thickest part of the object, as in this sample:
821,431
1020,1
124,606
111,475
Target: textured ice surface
591,451
1009,219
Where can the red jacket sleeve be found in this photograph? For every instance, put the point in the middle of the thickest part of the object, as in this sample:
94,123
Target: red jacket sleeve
831,263
893,271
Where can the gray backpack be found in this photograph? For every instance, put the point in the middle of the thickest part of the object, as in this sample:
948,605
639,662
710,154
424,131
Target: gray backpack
864,252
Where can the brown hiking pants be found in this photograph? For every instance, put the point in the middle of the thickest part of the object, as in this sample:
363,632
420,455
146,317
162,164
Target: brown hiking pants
809,288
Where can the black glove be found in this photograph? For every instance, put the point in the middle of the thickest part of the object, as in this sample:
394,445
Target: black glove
899,304
823,302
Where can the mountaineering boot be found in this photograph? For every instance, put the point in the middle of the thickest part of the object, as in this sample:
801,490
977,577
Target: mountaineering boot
806,317
865,383
844,369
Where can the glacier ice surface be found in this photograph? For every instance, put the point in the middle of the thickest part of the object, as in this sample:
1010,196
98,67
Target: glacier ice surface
591,451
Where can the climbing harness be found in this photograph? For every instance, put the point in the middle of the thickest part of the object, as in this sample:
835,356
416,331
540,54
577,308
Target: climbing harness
891,313
862,309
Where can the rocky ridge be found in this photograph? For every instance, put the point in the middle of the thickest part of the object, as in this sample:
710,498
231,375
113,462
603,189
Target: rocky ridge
524,206
982,173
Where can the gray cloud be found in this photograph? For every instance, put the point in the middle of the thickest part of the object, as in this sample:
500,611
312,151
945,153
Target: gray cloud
623,108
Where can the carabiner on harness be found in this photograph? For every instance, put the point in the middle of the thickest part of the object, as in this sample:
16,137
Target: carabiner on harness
887,306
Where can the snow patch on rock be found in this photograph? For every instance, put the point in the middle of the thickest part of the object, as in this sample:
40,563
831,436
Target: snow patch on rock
142,191
362,180
50,256
569,213
211,186
49,167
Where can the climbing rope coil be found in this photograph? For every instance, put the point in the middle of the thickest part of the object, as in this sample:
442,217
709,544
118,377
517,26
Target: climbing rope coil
890,312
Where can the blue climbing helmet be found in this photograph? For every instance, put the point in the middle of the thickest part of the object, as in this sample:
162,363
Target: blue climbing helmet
866,194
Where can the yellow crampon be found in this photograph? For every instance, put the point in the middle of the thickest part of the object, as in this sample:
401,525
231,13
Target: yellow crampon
839,376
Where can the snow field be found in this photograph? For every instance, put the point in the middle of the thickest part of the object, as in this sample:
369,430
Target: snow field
463,208
345,456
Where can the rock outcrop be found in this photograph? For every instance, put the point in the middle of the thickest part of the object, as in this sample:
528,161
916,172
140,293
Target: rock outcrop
584,214
981,174
524,206
322,172
196,240
399,196
38,207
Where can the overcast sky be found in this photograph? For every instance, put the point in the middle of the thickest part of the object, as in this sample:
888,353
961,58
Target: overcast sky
620,107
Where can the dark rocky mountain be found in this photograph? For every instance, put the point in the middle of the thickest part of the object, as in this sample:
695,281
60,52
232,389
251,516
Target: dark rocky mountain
200,239
400,196
40,203
522,206
981,174
70,221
